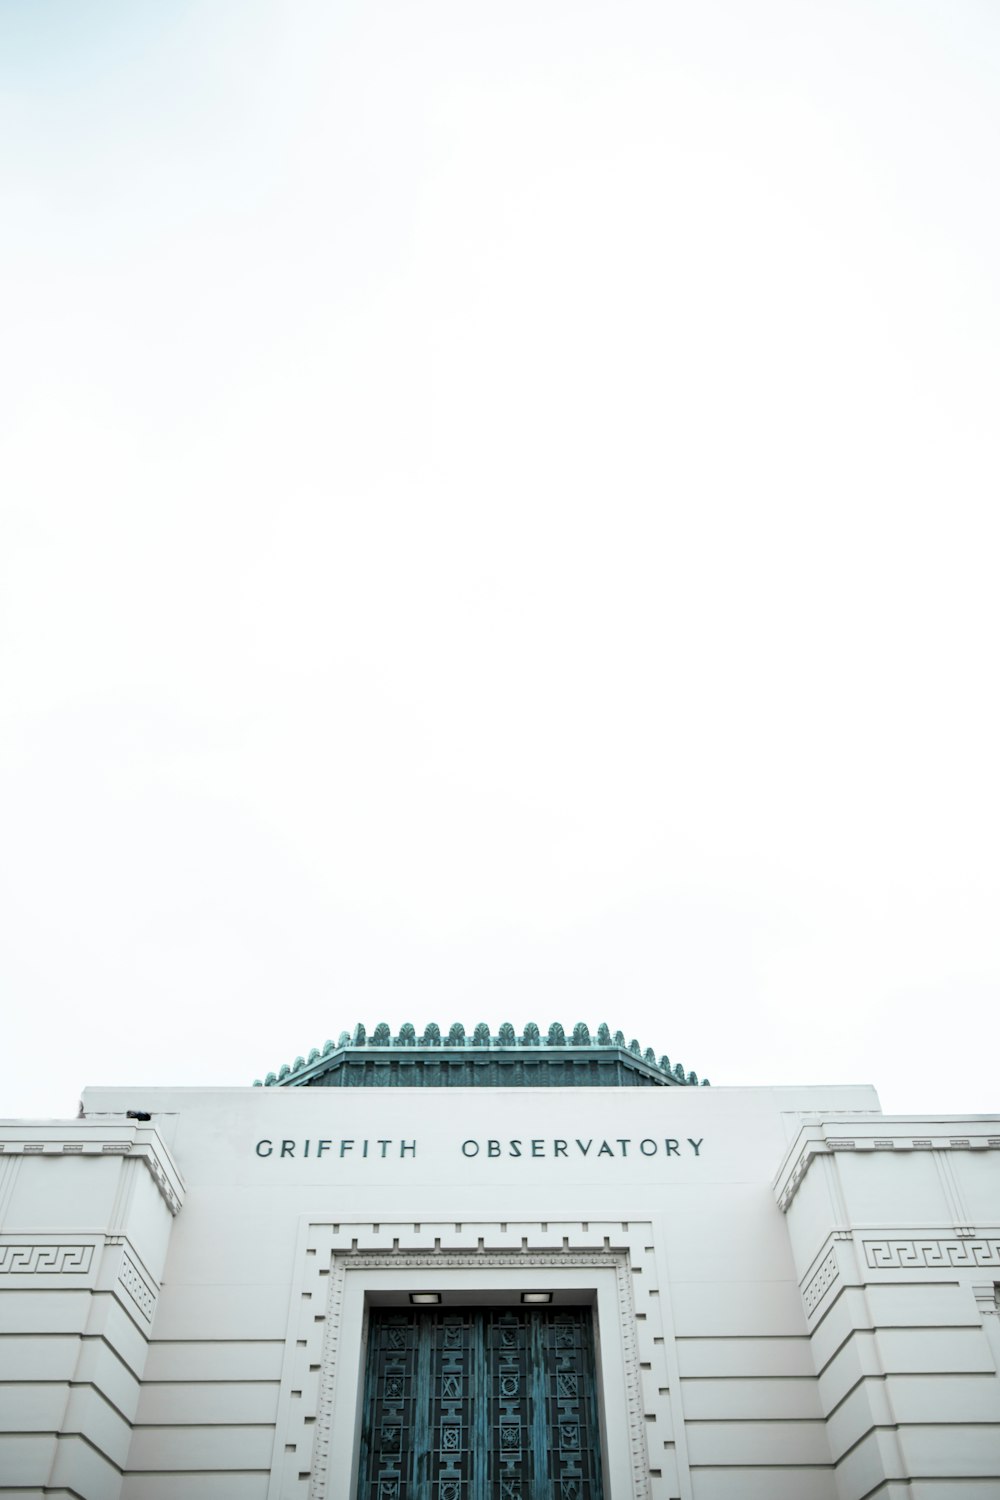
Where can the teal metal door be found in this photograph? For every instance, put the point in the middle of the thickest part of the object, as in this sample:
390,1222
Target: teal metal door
480,1404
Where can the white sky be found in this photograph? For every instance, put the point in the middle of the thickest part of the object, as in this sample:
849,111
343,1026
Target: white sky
500,523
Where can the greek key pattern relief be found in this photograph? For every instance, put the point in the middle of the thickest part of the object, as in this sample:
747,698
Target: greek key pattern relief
928,1254
815,1289
135,1284
337,1250
45,1260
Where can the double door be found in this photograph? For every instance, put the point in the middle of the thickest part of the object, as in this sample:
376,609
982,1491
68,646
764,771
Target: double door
480,1404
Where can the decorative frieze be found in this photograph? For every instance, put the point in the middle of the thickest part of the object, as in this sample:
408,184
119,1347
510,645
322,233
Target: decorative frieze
45,1260
920,1253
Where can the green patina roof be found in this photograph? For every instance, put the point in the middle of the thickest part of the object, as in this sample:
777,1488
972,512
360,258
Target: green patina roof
434,1059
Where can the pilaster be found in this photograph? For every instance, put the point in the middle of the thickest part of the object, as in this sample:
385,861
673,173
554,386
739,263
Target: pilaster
86,1210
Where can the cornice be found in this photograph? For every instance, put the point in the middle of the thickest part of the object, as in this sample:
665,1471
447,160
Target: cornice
873,1133
98,1138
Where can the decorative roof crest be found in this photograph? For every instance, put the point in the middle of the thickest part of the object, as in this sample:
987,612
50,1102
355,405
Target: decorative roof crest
506,1037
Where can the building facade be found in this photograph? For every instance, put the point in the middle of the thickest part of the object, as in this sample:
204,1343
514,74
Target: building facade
498,1267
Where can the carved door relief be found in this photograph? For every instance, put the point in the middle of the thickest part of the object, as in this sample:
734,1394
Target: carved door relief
480,1404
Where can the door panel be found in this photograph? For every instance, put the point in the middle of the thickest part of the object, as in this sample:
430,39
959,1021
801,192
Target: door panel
480,1404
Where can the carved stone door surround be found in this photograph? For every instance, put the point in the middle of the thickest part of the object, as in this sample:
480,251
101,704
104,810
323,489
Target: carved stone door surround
343,1266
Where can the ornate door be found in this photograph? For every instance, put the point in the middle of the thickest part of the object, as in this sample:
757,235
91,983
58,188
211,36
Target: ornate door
480,1404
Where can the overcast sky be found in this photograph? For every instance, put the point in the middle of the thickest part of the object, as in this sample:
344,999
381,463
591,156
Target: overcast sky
500,523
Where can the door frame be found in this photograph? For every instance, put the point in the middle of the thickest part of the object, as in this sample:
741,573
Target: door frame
599,1279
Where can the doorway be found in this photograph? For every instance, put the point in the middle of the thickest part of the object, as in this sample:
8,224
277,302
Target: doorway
493,1403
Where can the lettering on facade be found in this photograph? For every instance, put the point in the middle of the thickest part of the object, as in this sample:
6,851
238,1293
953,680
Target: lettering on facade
300,1150
619,1146
553,1149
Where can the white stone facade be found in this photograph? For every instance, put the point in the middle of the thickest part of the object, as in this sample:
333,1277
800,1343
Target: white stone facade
795,1297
